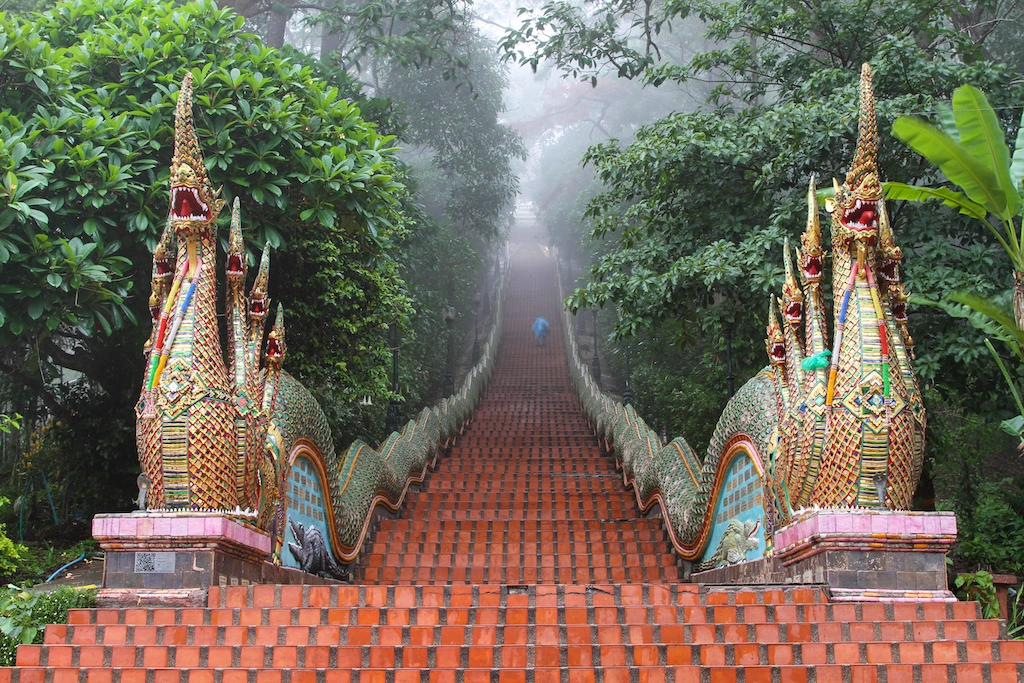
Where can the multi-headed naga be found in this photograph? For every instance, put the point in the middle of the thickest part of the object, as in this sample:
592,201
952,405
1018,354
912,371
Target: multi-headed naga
202,424
243,436
829,423
852,424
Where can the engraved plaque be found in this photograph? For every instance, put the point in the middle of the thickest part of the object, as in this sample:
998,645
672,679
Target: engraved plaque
154,563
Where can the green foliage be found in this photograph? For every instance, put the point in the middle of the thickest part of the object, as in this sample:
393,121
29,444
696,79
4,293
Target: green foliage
978,587
11,554
38,562
970,464
994,537
85,145
23,614
973,154
8,422
975,157
1015,614
679,377
695,207
103,75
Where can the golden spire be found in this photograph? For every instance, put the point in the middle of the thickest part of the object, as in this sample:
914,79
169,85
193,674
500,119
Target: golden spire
186,141
235,244
866,158
812,231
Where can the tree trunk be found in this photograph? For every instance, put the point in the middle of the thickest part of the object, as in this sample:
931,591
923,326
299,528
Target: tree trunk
329,42
279,16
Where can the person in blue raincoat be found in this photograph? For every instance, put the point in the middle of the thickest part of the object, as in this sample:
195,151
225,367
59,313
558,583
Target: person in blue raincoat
540,330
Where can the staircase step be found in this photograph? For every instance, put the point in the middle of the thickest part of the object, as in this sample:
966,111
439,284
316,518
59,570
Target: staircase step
491,647
341,627
994,672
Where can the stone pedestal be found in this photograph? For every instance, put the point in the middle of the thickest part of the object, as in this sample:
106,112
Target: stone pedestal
860,554
173,558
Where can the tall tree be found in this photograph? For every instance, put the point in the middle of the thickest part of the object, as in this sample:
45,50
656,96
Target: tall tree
697,205
85,144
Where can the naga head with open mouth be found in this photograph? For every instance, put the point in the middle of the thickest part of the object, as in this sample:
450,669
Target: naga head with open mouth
259,302
810,256
792,295
775,344
891,254
195,205
276,348
857,207
236,262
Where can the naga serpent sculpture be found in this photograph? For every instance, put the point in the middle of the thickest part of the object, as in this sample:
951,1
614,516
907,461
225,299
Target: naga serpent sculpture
817,427
821,428
246,438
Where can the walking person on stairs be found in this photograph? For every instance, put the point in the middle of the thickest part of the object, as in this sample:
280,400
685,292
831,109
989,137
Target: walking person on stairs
540,330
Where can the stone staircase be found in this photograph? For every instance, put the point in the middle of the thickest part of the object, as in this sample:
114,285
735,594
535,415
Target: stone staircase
524,559
526,495
626,633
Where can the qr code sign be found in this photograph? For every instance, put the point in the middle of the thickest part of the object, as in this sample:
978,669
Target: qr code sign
145,563
154,563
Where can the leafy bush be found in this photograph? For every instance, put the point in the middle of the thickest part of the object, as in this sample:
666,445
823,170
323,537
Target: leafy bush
973,465
23,614
993,536
979,587
11,553
86,137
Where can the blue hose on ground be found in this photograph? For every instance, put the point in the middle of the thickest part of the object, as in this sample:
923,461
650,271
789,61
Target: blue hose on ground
69,564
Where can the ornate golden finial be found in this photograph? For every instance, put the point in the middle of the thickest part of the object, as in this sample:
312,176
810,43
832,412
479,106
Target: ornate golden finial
792,295
276,347
866,159
775,344
235,266
258,300
186,141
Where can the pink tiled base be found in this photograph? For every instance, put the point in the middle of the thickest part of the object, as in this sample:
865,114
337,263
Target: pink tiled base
179,530
894,530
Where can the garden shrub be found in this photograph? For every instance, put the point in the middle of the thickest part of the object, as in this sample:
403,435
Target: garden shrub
24,614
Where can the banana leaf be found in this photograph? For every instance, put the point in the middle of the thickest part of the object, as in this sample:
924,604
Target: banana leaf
952,158
951,198
985,314
947,122
983,137
1017,165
